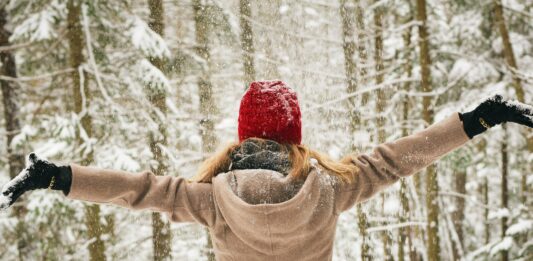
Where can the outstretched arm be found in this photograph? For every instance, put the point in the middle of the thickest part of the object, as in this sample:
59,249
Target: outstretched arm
181,200
390,161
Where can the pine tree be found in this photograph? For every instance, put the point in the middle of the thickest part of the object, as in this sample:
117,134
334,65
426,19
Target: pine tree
158,139
361,47
405,235
517,81
427,114
504,189
81,100
347,19
10,90
380,105
247,41
205,89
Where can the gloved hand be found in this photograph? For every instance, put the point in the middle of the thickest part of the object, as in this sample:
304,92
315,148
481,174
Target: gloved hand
38,174
495,111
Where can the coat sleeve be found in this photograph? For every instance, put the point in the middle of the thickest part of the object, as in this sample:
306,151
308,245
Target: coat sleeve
390,161
179,199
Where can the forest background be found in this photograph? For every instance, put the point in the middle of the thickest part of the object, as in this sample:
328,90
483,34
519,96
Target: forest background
155,84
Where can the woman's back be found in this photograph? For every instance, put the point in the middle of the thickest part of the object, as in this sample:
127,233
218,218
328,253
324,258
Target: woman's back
301,227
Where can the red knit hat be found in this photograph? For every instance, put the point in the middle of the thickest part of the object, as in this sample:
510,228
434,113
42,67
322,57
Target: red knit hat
269,110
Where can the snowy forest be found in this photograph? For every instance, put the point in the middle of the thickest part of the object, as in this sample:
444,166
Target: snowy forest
155,85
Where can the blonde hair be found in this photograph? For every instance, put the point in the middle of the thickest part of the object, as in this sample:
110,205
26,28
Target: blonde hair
299,156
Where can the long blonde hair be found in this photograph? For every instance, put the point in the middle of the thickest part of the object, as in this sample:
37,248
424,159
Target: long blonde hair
299,156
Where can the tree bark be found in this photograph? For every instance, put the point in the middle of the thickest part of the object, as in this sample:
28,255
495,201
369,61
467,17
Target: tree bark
161,230
362,223
10,97
361,47
406,232
272,43
431,173
81,99
504,193
247,41
205,90
517,83
380,107
484,191
348,46
347,16
458,215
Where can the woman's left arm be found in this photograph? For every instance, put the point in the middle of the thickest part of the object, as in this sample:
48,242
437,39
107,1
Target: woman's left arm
181,200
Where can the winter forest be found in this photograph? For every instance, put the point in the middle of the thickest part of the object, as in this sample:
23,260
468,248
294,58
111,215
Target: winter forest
155,85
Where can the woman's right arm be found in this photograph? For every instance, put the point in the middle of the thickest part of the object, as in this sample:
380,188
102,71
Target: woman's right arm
390,161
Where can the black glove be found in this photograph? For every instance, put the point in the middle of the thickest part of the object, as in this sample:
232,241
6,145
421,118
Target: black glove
38,174
495,111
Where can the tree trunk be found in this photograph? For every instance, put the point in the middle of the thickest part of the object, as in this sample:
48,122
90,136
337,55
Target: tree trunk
458,215
247,41
406,238
431,173
486,212
158,139
380,107
205,91
517,83
81,100
361,40
10,97
504,195
484,191
362,223
405,232
347,15
268,12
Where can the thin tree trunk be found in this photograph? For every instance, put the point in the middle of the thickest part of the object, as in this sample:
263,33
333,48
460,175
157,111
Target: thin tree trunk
205,90
517,83
268,12
484,191
10,97
361,40
81,99
362,223
486,212
431,173
406,233
207,105
380,107
247,41
157,96
347,15
504,193
458,215
348,46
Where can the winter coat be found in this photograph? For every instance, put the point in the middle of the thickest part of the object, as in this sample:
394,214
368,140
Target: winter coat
242,227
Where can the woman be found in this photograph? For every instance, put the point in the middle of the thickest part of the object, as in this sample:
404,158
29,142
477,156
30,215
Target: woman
268,197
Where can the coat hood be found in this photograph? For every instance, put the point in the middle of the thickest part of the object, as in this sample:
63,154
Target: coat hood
270,182
265,209
264,206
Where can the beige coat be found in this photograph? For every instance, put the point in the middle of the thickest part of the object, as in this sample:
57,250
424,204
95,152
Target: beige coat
300,228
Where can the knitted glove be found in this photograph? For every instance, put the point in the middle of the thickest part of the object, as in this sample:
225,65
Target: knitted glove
38,174
495,111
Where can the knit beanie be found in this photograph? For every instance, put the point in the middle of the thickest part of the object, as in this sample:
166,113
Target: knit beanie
270,110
